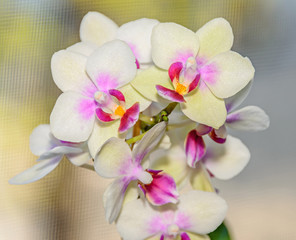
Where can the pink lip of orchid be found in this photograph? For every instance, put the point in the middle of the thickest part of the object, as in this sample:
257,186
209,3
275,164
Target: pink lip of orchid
97,29
120,163
197,213
50,151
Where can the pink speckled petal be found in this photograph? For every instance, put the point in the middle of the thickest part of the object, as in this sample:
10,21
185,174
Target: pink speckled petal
112,65
200,212
116,93
161,190
175,70
195,148
103,116
130,117
169,94
72,118
219,135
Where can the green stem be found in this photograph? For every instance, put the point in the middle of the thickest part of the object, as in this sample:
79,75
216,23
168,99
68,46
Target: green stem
88,166
164,113
135,139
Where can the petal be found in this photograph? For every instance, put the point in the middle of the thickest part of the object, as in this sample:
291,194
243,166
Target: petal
227,73
172,43
113,159
200,212
72,118
137,34
198,237
172,162
79,159
174,70
130,118
41,140
161,190
59,151
103,116
149,141
117,94
203,107
68,72
97,28
226,160
215,37
36,172
113,198
202,129
250,118
233,102
112,65
83,48
195,148
219,135
101,133
169,94
200,179
146,81
132,96
136,221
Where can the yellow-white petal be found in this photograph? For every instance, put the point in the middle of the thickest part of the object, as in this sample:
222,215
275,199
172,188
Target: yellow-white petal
215,37
97,28
84,48
145,82
200,179
230,72
203,107
171,43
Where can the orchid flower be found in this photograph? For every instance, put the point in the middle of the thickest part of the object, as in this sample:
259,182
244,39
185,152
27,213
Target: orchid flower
197,213
115,160
250,118
202,70
50,151
95,86
97,29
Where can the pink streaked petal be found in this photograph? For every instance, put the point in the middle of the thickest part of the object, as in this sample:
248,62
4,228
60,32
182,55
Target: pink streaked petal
182,220
105,82
219,135
194,83
175,70
137,64
161,237
202,129
209,72
169,94
130,117
195,148
86,108
103,116
183,56
233,118
184,236
116,93
161,190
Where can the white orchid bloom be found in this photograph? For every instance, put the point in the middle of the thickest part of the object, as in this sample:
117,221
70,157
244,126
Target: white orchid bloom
116,160
97,29
50,151
196,214
202,69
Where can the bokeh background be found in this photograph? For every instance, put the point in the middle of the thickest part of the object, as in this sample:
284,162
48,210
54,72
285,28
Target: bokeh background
67,204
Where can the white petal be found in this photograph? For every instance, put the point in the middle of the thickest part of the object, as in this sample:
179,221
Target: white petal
205,210
72,118
113,159
226,160
237,99
79,159
112,65
97,28
200,179
250,118
36,172
113,198
203,107
101,133
172,43
41,140
84,48
137,34
227,73
59,151
146,81
68,72
215,37
132,96
149,141
135,220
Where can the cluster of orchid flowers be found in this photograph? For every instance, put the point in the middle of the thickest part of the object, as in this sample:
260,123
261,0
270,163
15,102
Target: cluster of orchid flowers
149,104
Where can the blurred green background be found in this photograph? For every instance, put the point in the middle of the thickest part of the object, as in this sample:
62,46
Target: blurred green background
67,204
